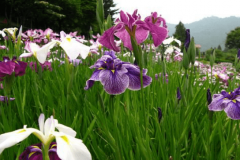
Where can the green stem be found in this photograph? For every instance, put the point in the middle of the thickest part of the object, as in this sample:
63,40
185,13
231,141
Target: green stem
45,151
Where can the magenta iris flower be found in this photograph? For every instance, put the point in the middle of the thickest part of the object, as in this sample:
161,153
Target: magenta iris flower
157,27
116,76
34,152
125,26
229,102
7,67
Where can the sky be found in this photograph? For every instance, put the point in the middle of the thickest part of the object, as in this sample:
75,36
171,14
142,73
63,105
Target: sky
186,11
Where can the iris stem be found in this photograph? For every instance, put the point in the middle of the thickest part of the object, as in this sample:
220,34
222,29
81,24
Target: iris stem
45,151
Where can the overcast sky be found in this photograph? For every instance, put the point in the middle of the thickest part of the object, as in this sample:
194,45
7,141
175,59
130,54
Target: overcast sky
186,11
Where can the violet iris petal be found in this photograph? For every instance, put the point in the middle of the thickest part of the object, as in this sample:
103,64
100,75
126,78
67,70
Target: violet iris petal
229,102
159,33
178,94
116,76
238,55
34,152
187,41
5,99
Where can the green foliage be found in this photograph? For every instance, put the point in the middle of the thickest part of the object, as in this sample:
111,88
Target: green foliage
222,56
233,39
180,32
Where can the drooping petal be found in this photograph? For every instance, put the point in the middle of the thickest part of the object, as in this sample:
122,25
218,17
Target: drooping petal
233,110
20,68
215,105
114,82
107,39
66,130
11,138
70,148
134,77
158,34
43,51
92,79
141,34
125,37
24,55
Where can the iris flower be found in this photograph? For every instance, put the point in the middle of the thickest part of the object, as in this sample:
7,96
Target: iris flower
35,50
125,26
157,27
238,55
34,152
68,147
73,48
229,102
187,41
8,67
116,76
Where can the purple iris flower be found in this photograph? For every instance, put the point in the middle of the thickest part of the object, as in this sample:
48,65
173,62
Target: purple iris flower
238,55
157,27
178,94
7,67
159,114
34,152
229,102
187,41
5,99
116,76
209,96
125,26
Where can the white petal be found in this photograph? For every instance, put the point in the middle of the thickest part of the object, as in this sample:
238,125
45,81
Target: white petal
24,55
179,42
41,122
66,130
2,33
43,52
49,126
33,47
70,148
11,138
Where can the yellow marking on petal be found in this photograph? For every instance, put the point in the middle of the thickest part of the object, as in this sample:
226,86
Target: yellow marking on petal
68,39
65,139
16,62
113,71
31,154
229,92
53,146
35,147
23,130
35,54
100,68
105,62
225,98
234,101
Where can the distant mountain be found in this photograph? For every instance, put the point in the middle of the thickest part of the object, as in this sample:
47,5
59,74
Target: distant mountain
211,31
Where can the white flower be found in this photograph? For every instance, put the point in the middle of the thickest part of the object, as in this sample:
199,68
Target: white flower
68,147
72,47
170,40
39,52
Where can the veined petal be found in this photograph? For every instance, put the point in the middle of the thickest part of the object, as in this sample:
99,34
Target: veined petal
125,37
114,82
216,104
11,138
92,79
141,34
158,34
233,110
70,148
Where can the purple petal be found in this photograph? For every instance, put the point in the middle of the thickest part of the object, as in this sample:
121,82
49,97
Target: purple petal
125,37
92,79
134,77
158,34
107,39
141,34
217,103
123,17
233,110
114,83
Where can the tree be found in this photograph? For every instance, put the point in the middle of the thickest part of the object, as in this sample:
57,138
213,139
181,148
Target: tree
108,4
219,47
233,39
180,32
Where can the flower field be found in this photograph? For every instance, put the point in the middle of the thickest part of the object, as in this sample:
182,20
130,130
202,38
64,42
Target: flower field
131,93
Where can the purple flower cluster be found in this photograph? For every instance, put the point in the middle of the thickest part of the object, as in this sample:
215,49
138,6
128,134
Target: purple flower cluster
46,66
8,67
34,152
116,76
229,102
